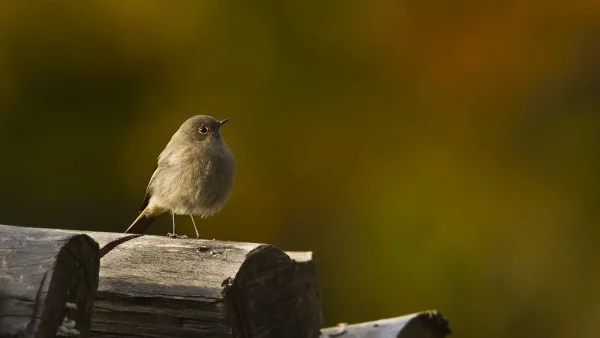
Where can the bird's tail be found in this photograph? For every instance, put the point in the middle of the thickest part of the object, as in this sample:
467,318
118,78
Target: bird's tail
141,223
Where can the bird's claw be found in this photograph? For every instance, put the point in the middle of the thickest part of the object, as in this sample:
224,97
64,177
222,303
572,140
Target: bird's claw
170,235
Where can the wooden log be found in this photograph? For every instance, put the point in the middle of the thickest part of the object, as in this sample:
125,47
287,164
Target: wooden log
427,324
162,287
48,282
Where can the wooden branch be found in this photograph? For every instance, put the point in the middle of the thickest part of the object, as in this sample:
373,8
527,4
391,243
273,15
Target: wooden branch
163,287
427,324
48,282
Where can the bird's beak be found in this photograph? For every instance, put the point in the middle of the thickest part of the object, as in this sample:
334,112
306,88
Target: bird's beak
222,122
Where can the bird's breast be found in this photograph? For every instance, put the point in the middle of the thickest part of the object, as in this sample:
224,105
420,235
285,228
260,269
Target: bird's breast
212,179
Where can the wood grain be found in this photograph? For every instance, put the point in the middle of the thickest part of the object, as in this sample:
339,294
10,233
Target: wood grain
426,324
189,288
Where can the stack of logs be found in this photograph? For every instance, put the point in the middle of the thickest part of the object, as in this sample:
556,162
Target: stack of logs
56,283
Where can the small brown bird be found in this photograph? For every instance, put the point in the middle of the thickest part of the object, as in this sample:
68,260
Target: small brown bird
194,175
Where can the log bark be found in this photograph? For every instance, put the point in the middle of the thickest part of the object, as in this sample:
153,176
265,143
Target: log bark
48,282
162,287
427,324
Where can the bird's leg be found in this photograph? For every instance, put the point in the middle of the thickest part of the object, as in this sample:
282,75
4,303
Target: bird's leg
195,228
173,235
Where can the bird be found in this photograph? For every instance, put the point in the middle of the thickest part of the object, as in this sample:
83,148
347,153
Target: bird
194,175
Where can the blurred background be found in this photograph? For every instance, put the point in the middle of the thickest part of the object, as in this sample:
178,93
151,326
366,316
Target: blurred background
433,154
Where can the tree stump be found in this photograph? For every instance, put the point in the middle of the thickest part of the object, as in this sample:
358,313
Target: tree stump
48,282
164,287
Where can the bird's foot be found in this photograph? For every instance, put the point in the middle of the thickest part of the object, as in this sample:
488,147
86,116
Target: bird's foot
176,236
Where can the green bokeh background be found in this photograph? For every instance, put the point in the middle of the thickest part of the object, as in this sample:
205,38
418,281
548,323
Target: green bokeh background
433,154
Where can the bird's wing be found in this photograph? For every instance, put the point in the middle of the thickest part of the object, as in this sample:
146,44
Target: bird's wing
148,191
168,157
163,160
173,154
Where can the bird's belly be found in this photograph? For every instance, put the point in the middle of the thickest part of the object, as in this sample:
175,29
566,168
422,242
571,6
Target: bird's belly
201,193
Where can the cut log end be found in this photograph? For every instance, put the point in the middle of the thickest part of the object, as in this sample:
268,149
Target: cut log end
426,324
272,296
49,281
73,287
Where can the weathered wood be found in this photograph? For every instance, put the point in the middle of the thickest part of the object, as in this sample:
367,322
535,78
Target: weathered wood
427,324
308,279
48,282
162,287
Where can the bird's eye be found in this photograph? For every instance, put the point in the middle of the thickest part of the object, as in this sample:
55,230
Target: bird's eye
203,130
